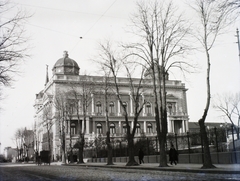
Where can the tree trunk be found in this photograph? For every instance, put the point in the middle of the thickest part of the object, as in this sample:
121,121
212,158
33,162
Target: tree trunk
71,156
163,139
49,147
80,150
71,152
110,152
207,161
63,151
131,161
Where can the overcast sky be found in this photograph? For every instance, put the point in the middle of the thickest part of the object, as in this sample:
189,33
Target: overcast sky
57,25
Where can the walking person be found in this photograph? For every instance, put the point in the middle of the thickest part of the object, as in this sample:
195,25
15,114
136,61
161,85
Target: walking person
140,155
36,157
173,155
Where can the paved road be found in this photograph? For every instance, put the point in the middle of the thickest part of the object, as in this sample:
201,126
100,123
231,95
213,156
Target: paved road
31,172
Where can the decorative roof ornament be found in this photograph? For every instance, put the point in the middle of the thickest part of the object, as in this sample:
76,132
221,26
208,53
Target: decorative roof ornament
47,78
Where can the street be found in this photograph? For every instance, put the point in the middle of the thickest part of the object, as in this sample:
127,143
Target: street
29,172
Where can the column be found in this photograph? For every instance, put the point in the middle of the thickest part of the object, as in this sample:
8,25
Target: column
131,104
187,129
144,106
145,127
183,126
93,106
120,127
172,125
94,127
87,125
119,110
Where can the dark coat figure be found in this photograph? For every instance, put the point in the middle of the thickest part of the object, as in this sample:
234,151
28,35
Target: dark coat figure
173,155
140,156
36,157
39,160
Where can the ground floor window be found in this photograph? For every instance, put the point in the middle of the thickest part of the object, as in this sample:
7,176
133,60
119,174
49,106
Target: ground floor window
99,128
149,127
112,128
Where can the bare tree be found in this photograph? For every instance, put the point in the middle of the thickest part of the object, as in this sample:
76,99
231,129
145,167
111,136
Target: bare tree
233,7
211,23
47,122
61,117
28,142
162,34
229,105
19,140
13,47
70,107
81,97
109,62
107,90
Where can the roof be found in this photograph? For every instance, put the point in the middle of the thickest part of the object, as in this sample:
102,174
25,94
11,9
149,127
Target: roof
195,125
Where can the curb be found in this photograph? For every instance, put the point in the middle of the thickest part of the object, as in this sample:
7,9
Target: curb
190,170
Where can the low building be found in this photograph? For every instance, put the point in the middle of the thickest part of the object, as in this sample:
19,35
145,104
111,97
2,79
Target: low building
10,154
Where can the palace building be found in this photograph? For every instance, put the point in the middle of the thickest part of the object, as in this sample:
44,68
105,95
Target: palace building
66,72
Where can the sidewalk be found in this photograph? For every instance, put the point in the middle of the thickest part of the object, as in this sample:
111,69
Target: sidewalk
194,168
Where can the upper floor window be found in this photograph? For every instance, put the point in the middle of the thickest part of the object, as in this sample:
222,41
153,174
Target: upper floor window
148,107
111,105
99,107
112,128
149,127
99,128
73,128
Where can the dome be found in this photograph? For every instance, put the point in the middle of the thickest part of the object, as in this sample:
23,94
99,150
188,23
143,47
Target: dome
66,65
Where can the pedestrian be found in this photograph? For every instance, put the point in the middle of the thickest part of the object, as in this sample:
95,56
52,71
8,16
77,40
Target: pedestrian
140,155
173,155
36,157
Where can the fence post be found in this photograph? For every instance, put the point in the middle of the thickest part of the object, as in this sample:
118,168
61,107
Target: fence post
120,148
216,140
189,158
176,141
157,149
202,147
234,148
148,149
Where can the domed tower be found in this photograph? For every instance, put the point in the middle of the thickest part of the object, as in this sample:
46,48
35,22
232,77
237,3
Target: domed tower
66,66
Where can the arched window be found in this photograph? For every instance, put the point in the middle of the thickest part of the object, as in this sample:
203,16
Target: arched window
148,107
99,128
99,107
138,128
73,128
111,105
149,127
112,128
124,128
